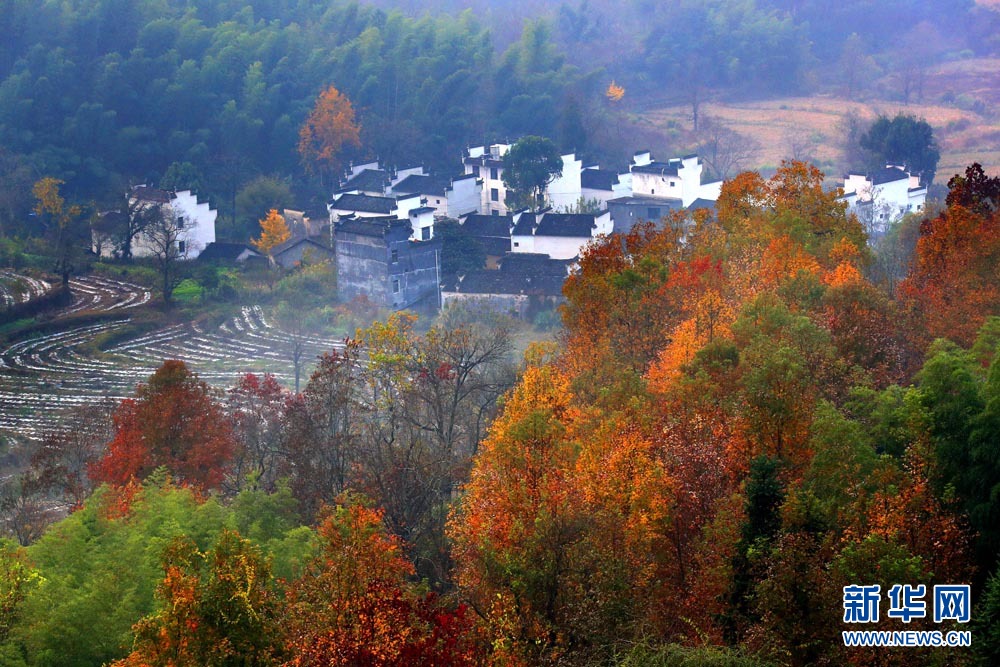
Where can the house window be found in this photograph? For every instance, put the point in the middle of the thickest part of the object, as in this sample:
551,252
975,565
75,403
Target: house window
395,255
181,247
493,173
495,212
653,213
180,222
652,191
516,244
395,285
673,183
475,170
437,201
425,233
494,194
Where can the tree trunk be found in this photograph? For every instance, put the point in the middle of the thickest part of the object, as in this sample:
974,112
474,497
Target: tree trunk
167,291
298,368
695,106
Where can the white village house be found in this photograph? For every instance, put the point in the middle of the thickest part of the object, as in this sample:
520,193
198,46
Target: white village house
449,197
486,163
372,192
193,221
651,189
678,178
561,236
883,197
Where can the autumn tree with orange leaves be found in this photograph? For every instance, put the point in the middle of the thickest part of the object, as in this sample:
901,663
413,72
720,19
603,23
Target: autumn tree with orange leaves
679,462
218,608
329,129
353,605
173,421
953,285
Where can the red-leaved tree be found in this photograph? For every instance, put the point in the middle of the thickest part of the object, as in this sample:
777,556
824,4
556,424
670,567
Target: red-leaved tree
173,422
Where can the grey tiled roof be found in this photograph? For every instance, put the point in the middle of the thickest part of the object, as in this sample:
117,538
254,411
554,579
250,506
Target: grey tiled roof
661,168
487,225
598,179
566,224
422,184
887,175
368,180
364,203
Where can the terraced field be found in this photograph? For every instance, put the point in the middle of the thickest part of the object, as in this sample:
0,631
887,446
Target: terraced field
17,288
102,294
42,376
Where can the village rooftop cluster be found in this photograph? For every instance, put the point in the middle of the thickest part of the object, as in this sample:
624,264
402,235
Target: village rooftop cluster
381,222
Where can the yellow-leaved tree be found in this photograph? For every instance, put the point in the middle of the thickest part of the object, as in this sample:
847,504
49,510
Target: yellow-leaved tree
273,232
329,128
64,231
615,93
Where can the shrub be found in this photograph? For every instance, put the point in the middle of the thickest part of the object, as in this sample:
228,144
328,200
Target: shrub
188,291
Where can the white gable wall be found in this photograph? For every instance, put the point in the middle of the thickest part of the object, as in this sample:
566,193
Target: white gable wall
405,204
464,196
604,225
657,185
690,175
560,247
357,169
196,222
199,221
601,196
565,191
708,191
403,173
419,222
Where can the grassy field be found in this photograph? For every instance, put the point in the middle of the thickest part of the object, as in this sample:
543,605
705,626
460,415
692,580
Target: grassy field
960,101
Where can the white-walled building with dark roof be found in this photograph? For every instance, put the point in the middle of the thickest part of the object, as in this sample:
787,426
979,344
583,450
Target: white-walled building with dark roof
486,163
351,206
368,178
602,185
884,196
562,236
657,188
523,284
449,197
193,220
